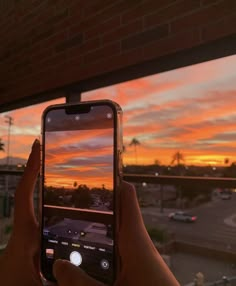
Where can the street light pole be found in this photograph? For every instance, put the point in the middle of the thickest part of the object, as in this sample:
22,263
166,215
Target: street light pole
9,121
7,206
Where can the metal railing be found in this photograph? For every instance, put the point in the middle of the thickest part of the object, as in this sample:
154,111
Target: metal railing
181,180
158,180
162,179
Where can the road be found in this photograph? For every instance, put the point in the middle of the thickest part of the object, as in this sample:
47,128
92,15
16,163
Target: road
209,229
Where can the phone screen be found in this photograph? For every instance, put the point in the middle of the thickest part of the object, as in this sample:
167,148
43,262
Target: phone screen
78,222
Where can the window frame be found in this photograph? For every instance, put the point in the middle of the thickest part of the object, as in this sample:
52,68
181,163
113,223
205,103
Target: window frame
216,49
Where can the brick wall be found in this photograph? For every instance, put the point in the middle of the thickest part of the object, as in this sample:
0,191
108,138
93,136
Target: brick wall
50,43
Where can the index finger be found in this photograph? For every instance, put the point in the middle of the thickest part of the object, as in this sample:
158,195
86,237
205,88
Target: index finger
24,193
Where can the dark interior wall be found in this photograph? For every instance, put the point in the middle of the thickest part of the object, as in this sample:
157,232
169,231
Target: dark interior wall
46,44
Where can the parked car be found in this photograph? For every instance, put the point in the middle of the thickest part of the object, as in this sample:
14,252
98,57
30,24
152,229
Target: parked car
226,195
182,216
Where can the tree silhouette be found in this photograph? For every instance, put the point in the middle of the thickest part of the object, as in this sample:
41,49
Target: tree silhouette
1,145
230,171
178,158
135,142
226,161
82,197
51,196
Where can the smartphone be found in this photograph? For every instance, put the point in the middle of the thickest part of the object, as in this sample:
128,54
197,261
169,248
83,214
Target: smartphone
81,171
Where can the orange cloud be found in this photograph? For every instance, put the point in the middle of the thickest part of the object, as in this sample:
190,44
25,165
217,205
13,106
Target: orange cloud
25,129
85,156
191,109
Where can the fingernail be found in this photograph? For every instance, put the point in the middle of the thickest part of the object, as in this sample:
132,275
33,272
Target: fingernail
36,142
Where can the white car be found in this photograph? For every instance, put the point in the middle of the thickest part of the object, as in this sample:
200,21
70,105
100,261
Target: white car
182,216
225,196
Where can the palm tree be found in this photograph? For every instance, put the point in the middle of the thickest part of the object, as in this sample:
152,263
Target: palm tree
1,145
178,158
134,142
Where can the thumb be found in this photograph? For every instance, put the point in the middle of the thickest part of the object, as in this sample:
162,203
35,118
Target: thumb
68,274
131,221
132,228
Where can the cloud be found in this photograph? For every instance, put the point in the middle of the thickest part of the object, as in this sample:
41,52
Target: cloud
25,129
84,155
191,109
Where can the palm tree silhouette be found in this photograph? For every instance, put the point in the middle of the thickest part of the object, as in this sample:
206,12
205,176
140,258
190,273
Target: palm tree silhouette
178,157
134,142
1,145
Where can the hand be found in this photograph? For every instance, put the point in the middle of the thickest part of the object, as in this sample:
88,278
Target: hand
19,264
141,263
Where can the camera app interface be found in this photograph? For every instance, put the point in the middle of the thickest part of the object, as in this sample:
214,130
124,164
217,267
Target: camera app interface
78,191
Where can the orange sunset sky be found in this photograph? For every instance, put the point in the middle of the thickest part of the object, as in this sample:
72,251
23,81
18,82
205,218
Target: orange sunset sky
192,110
81,156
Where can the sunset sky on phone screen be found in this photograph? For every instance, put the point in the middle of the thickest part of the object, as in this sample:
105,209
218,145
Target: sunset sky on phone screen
83,156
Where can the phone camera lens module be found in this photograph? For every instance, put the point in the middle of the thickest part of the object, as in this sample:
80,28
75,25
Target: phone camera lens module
109,115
